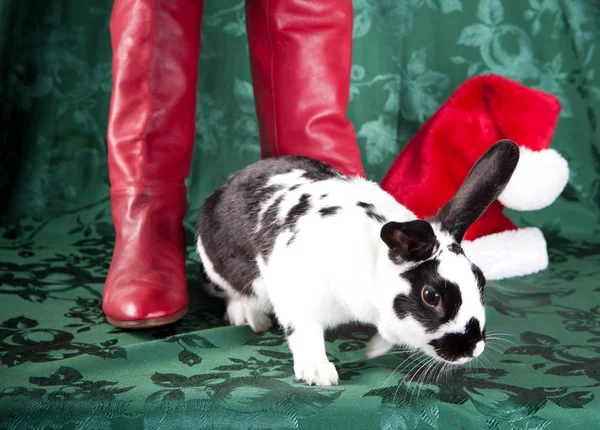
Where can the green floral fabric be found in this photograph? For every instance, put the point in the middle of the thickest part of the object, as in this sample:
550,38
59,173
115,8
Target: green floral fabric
63,366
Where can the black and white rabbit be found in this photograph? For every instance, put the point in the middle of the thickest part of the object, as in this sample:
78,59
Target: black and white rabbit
294,237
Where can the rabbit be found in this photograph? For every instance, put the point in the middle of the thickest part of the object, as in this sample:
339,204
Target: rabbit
293,237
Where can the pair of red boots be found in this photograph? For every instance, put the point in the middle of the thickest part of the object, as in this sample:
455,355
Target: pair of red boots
300,53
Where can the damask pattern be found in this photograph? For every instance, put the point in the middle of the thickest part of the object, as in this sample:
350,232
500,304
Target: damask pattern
63,366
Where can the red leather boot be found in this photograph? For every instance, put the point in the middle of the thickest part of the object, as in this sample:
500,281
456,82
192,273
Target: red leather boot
156,47
300,57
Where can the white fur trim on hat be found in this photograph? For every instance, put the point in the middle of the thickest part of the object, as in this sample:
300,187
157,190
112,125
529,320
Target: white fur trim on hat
538,180
509,253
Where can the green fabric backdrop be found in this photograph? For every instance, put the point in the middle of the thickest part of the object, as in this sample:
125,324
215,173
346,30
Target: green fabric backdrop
63,366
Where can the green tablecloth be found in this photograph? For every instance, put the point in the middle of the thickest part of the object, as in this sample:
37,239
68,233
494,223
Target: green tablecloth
63,366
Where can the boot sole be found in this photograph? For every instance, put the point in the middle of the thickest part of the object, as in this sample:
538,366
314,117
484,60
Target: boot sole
148,323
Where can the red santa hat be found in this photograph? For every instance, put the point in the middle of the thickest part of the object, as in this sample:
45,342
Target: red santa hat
433,165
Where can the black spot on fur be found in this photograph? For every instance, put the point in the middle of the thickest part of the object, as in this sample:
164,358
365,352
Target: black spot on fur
456,249
291,220
229,217
480,279
256,193
371,213
295,187
329,211
259,197
291,239
453,346
377,217
270,229
299,209
323,196
411,304
366,206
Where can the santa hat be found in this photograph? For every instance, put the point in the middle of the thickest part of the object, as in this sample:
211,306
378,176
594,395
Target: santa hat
433,165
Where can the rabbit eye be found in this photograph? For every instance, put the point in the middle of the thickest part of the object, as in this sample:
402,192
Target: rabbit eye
430,296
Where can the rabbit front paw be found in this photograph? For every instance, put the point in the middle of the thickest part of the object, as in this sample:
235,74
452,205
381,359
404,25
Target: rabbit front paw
323,374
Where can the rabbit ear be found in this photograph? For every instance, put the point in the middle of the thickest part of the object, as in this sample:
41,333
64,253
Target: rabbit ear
484,183
409,241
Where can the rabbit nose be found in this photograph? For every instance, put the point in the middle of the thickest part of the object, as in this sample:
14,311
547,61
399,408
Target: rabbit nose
478,349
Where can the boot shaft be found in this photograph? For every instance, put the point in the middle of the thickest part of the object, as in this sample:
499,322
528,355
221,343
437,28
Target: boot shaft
151,126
